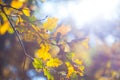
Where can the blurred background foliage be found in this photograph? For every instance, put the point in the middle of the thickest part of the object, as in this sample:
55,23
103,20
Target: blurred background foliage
101,56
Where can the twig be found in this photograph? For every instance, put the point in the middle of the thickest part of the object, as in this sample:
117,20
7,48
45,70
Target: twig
17,34
43,19
10,7
24,61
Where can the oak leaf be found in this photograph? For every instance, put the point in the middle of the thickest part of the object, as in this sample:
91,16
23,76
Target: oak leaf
4,28
54,62
26,11
48,74
43,53
50,24
17,4
37,63
63,30
70,69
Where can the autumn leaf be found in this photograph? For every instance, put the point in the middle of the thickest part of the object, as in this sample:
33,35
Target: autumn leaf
80,73
3,17
54,50
17,3
8,10
45,36
43,53
26,11
50,24
64,29
70,69
81,68
85,43
10,30
4,28
54,62
77,61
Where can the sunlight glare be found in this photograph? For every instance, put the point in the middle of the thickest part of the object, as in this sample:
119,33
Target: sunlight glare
91,10
84,11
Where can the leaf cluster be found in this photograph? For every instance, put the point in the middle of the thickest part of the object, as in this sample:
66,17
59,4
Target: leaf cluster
54,51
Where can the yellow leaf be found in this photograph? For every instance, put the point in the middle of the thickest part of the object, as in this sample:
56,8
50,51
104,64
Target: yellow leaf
43,53
70,69
50,24
8,10
85,43
3,16
4,28
80,73
10,30
54,62
81,68
64,29
72,55
45,36
77,61
26,11
17,4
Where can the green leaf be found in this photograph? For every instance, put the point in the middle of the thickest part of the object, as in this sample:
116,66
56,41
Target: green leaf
37,63
48,75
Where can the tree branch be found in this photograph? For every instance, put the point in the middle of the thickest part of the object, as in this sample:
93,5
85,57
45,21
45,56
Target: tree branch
10,7
17,34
